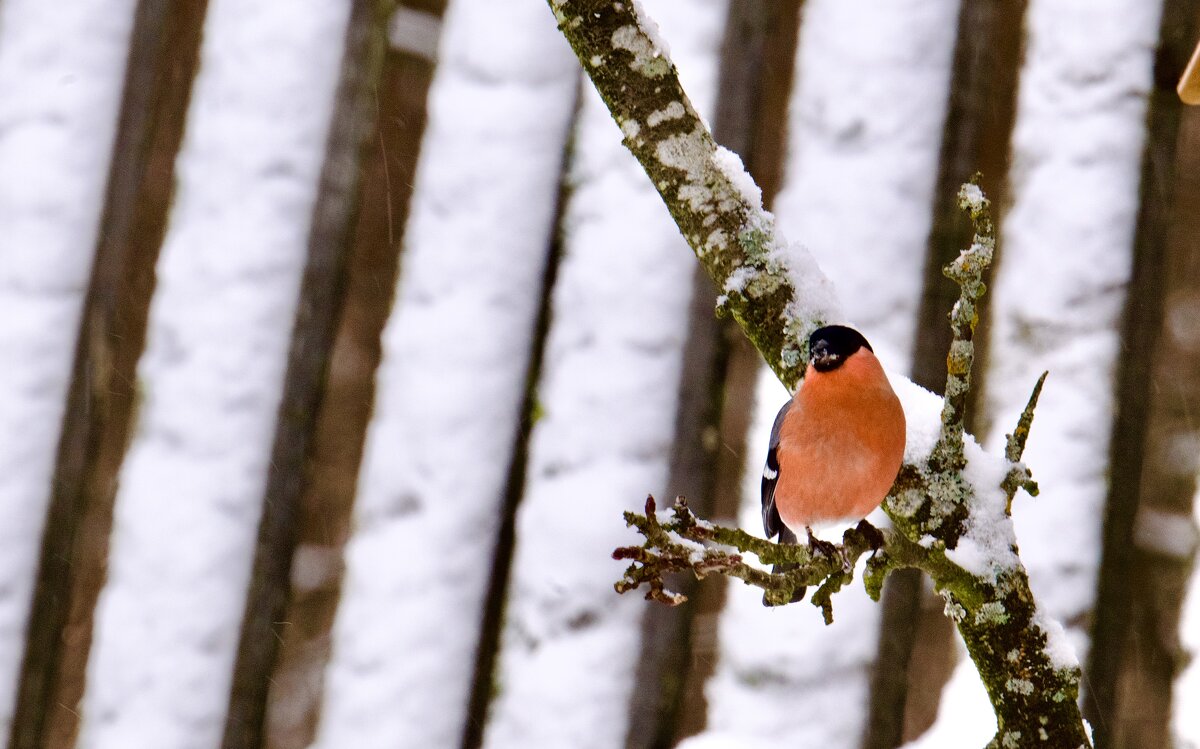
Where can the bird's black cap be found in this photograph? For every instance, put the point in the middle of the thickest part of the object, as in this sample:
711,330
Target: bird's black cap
832,345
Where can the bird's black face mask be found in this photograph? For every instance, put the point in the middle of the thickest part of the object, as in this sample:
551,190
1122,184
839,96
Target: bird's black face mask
823,358
829,347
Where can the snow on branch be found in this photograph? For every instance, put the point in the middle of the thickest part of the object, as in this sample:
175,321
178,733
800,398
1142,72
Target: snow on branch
950,504
774,290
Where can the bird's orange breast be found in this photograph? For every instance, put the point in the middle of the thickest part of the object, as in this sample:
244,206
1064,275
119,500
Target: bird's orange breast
840,446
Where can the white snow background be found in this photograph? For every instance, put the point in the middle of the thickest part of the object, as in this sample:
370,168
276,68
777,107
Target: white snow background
865,123
1058,295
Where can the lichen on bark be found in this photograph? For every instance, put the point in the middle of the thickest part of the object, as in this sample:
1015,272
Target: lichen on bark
775,292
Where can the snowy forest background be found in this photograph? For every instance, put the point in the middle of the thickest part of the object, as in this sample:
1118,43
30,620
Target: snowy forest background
336,336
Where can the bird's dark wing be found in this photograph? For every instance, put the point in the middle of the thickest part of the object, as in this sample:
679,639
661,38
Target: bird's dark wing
772,523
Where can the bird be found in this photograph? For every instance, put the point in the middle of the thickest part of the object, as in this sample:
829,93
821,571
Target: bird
836,446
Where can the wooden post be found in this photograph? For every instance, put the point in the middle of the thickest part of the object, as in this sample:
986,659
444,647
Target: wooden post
326,506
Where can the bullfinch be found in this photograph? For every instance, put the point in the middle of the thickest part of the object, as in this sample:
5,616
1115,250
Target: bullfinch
837,445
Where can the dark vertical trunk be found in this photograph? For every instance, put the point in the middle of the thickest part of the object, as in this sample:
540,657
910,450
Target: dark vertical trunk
1148,535
322,294
326,502
979,122
666,650
907,680
716,394
162,64
1164,534
492,625
742,365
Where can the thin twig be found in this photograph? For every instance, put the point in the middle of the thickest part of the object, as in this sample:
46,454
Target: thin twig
1019,476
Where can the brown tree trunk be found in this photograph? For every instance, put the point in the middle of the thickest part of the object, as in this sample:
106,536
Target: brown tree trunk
322,295
326,504
716,392
1149,538
164,51
907,682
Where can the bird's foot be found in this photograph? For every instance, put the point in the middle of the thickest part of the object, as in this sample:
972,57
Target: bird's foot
872,535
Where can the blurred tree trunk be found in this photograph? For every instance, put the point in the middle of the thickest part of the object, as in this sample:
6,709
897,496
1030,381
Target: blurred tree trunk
1149,536
326,503
164,50
916,640
718,377
322,295
492,627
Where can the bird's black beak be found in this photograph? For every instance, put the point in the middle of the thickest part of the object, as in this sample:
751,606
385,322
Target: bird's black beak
822,356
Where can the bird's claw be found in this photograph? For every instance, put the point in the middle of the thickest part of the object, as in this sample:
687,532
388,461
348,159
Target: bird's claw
872,535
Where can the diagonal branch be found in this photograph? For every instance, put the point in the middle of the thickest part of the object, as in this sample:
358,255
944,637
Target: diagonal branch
775,291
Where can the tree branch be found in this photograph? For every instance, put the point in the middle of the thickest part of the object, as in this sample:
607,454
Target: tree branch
951,500
776,292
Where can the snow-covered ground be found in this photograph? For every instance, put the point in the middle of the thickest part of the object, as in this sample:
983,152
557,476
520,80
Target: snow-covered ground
452,381
191,489
61,73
